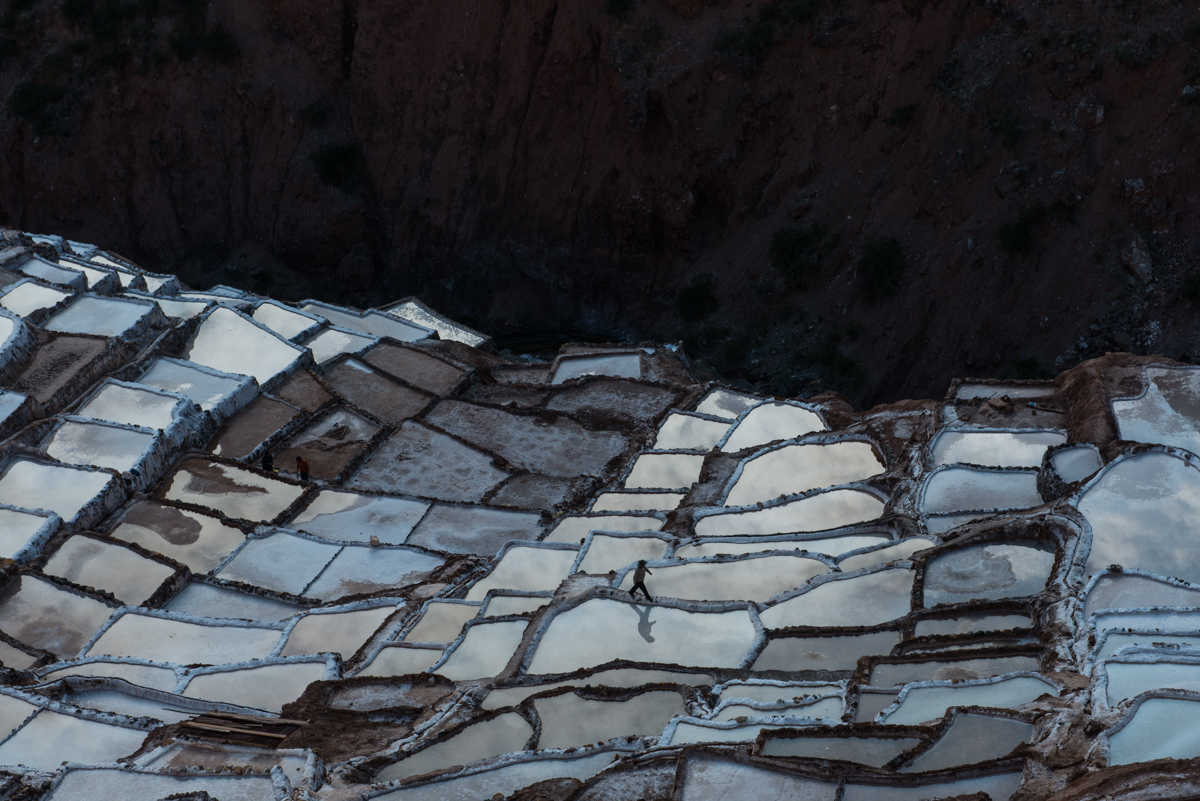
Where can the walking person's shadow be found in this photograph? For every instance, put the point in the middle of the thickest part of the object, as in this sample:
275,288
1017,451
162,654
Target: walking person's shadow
644,621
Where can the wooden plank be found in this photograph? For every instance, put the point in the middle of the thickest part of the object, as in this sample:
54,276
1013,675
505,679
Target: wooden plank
233,716
232,730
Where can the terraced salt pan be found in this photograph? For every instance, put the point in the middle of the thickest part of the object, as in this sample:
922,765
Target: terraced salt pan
13,712
727,404
280,562
333,342
994,448
233,491
206,600
361,569
831,546
417,313
267,687
1133,591
243,433
900,550
52,273
500,735
621,365
575,528
1160,728
1146,639
231,343
710,778
501,605
121,703
561,448
418,460
569,720
468,529
349,517
50,739
1148,492
9,403
618,677
181,755
377,324
795,469
605,553
66,491
637,501
940,524
1167,413
156,678
971,739
441,622
131,405
600,630
38,613
875,752
158,639
955,489
99,445
971,624
987,572
398,661
894,674
329,444
685,432
125,785
386,400
335,632
998,788
1129,679
26,297
19,528
820,512
769,693
864,600
198,541
288,323
769,422
918,704
505,781
90,562
209,390
15,658
687,732
526,568
103,317
1076,464
823,708
754,579
484,651
417,368
175,308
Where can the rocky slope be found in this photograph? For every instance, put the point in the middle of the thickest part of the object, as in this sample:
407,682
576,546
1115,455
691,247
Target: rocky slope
574,164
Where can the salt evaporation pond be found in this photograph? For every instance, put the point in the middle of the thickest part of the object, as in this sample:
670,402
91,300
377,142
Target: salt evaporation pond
102,317
230,490
359,570
229,342
865,600
99,445
131,405
769,422
156,678
502,734
50,739
622,365
62,490
830,546
726,404
38,613
94,563
504,780
377,324
991,572
526,568
399,661
502,605
1134,497
417,313
1129,679
875,752
280,562
27,297
971,739
994,448
16,529
754,579
331,343
576,527
894,552
569,720
600,630
335,632
605,553
267,687
613,677
207,600
441,622
956,489
124,785
181,642
1167,413
484,651
1076,464
198,541
710,778
686,432
1160,728
821,512
205,388
288,323
924,703
795,469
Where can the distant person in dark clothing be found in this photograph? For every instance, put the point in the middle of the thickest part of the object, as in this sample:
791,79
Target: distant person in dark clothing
268,462
639,580
302,468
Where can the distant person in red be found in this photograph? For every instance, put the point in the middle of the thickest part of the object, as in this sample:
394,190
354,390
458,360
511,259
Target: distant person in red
302,468
639,580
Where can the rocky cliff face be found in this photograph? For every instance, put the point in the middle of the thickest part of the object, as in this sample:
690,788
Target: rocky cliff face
534,165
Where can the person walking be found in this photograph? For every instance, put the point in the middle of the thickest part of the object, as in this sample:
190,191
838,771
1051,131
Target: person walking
639,580
302,468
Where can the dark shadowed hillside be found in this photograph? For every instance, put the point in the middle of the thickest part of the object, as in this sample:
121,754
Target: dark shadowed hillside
810,194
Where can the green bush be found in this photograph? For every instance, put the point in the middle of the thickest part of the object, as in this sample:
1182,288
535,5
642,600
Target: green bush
797,252
880,267
337,164
696,299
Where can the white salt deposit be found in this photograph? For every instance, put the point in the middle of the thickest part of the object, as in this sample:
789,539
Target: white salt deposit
103,317
624,365
229,342
769,422
794,469
62,490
